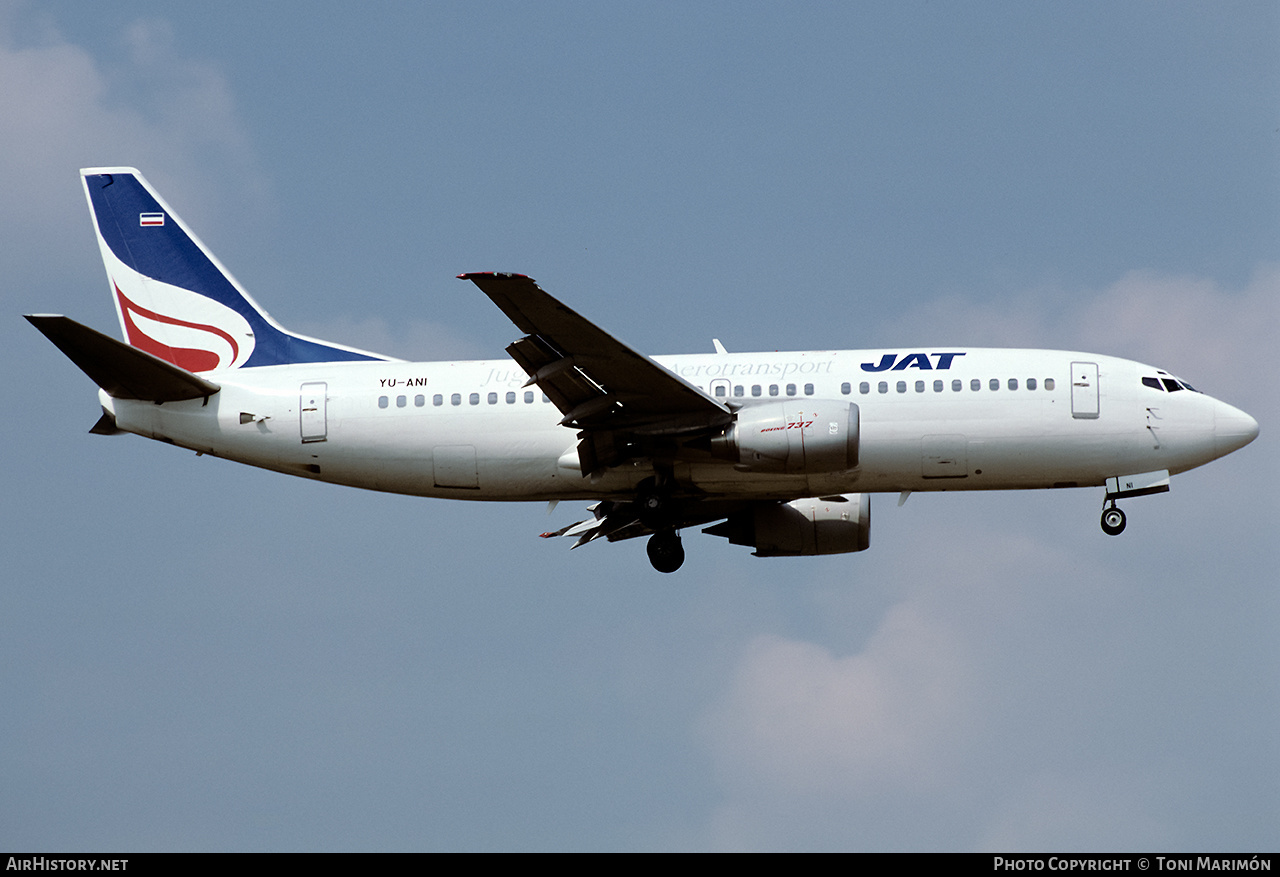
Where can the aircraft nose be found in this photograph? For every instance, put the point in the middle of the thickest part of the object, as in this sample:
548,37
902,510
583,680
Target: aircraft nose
1232,429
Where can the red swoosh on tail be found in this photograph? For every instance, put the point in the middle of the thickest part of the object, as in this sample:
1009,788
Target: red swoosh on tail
192,359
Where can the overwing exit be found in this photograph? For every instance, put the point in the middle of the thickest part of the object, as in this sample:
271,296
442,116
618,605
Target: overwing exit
778,451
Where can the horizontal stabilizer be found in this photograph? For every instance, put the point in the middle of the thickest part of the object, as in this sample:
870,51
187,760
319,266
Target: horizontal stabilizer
124,372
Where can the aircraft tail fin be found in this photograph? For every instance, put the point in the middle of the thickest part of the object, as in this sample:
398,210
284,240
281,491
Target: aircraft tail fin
174,298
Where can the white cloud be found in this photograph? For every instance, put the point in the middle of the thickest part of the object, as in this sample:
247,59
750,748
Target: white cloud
809,721
1052,811
1211,335
1219,339
65,108
974,716
995,704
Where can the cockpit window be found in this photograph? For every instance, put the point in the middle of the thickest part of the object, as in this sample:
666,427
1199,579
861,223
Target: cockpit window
1153,383
1171,383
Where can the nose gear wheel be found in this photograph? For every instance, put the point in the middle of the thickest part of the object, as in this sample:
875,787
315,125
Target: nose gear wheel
1113,520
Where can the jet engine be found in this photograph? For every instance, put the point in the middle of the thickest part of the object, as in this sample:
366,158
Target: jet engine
795,436
817,525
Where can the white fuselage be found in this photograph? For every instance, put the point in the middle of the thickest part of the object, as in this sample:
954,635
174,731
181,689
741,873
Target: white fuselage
971,419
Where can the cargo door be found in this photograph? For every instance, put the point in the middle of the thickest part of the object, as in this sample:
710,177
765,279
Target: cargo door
455,466
944,456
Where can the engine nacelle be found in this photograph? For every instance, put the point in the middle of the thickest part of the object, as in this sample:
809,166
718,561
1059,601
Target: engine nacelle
796,436
828,525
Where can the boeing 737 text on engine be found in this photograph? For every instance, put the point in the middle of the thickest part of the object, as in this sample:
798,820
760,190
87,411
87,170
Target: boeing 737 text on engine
776,451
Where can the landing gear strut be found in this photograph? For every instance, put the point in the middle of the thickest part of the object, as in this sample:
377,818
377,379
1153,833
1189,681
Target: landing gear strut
1112,520
654,503
665,551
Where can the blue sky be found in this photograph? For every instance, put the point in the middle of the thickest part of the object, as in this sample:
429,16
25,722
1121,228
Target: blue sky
196,655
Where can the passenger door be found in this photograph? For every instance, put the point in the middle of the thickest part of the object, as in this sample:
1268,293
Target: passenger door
312,412
1084,390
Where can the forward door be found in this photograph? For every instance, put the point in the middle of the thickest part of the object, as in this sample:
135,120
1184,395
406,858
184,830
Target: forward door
1084,390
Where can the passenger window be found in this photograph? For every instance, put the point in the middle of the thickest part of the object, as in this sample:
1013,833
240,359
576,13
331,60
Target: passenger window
546,398
1031,383
975,384
994,383
1048,383
1013,383
864,388
419,401
957,385
737,390
919,386
474,399
846,388
383,401
883,386
511,398
937,386
401,401
493,398
437,399
791,389
720,390
755,390
528,396
808,389
902,386
456,399
773,389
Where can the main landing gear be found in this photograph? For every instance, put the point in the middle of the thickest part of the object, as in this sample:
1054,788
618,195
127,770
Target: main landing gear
666,553
659,511
1112,520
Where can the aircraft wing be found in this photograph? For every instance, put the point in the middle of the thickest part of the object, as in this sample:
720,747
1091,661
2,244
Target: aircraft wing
598,383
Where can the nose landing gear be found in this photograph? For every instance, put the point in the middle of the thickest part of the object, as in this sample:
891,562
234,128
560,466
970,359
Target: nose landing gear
1113,520
1125,487
666,553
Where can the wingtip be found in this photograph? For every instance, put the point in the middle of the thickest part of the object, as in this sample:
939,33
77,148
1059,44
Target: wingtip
473,275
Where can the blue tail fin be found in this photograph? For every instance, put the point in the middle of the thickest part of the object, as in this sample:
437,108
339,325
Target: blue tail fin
173,297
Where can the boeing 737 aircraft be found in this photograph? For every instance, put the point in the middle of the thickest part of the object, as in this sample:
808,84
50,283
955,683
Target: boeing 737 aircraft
776,451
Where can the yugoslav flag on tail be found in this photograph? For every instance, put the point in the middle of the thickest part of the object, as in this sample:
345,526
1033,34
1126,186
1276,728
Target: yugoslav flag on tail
173,297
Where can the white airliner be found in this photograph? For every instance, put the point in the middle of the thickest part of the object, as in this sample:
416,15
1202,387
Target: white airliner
778,451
